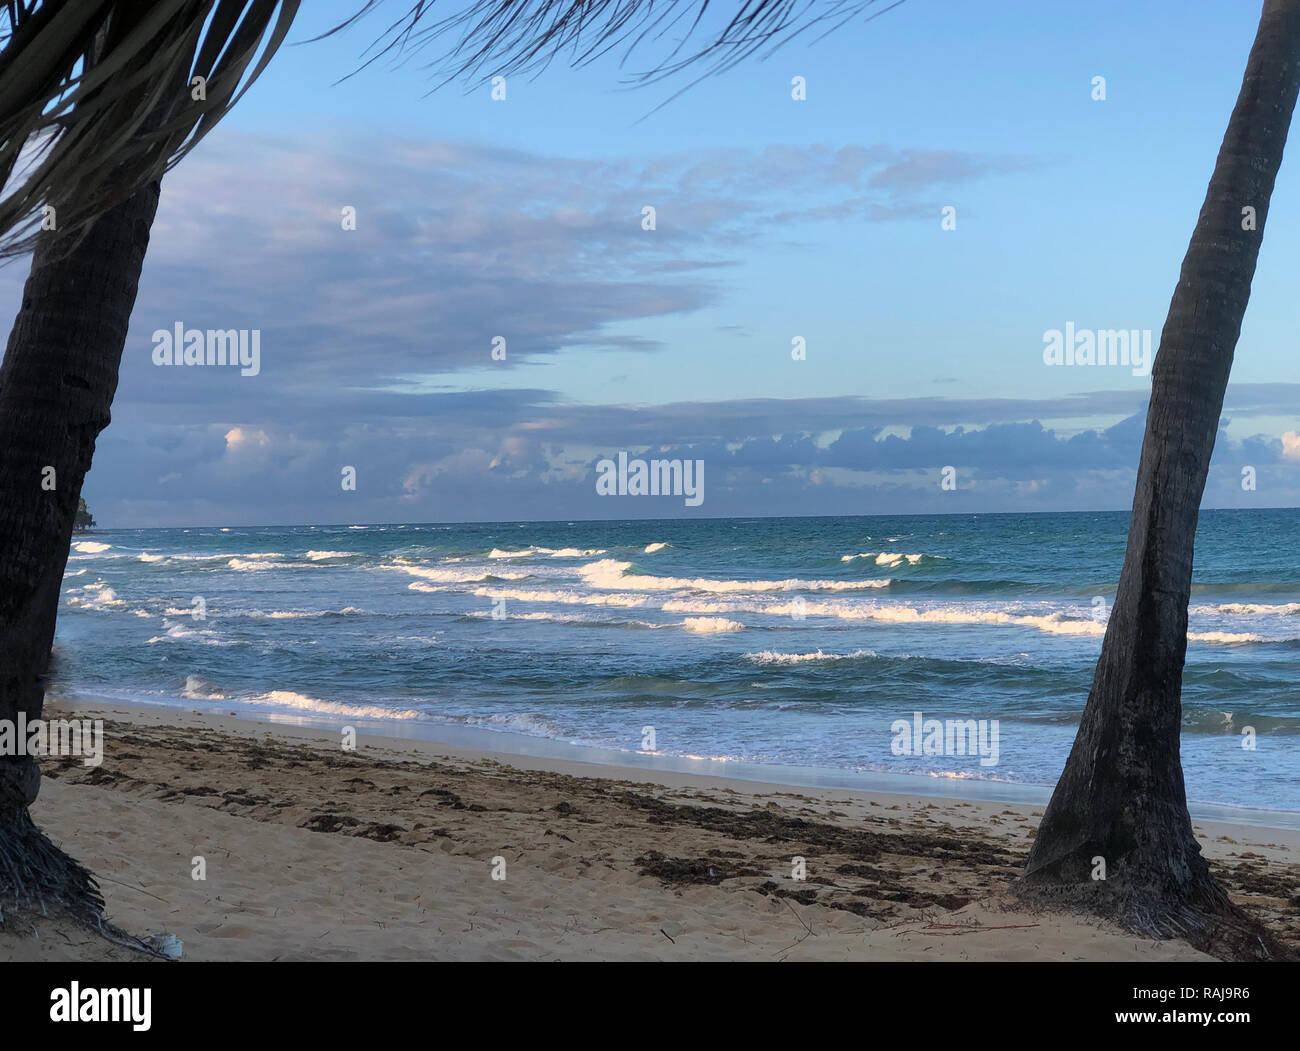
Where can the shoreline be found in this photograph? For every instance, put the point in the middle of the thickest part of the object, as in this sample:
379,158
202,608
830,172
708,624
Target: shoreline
389,852
524,749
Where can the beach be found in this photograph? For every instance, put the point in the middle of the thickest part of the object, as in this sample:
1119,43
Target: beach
388,852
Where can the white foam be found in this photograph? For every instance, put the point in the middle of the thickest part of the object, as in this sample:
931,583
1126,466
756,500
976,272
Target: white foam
97,596
90,547
317,556
1247,609
1052,623
175,632
470,575
199,689
609,573
567,617
559,597
563,552
300,614
711,625
248,565
302,702
1229,637
771,657
888,558
650,549
147,557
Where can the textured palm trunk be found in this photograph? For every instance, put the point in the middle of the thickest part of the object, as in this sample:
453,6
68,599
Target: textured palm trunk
1121,797
56,386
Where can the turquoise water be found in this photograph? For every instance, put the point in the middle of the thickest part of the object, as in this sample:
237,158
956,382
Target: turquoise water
795,641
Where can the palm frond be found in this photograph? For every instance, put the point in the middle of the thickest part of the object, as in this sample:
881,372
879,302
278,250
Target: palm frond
96,101
486,38
97,98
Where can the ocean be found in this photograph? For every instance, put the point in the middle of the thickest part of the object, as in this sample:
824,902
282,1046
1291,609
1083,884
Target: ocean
768,643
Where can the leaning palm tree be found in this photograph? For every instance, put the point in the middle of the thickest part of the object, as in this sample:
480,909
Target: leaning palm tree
1121,797
98,100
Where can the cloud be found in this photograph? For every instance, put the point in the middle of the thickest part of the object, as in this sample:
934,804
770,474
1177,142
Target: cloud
365,333
457,243
238,437
518,454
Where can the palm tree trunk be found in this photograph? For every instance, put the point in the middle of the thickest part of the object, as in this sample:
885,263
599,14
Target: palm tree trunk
56,386
1121,797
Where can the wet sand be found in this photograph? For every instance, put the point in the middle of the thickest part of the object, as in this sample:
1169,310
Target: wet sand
389,852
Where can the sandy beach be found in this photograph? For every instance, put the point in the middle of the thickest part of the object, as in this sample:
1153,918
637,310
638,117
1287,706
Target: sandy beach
388,852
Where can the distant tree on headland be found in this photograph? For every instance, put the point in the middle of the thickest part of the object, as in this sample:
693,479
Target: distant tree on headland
84,519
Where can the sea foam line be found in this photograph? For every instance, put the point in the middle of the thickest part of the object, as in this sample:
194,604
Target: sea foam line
609,573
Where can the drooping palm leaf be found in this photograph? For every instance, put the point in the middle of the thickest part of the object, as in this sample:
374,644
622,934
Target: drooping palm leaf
96,100
95,96
490,37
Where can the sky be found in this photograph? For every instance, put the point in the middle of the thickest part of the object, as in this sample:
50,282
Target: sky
779,223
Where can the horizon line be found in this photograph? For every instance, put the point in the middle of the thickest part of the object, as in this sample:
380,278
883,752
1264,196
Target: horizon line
693,518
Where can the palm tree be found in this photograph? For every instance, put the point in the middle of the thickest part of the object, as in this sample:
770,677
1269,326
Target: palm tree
1121,796
56,385
99,99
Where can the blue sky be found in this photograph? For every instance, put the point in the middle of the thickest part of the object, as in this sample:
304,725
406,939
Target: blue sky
776,219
